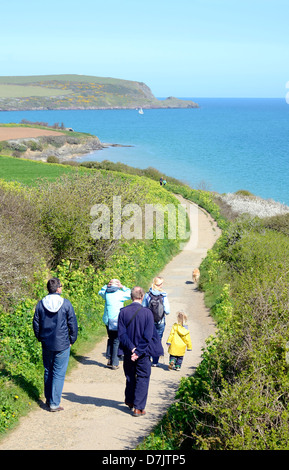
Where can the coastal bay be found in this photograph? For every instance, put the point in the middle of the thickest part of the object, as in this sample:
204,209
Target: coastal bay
225,145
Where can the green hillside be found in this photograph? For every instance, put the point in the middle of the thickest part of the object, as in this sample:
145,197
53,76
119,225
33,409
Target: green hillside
28,172
45,231
79,92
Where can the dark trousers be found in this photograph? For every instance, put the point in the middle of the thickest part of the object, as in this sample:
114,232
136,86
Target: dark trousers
160,327
137,375
178,360
112,347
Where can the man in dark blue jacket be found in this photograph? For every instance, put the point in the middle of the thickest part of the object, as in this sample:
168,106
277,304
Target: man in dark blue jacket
55,325
138,342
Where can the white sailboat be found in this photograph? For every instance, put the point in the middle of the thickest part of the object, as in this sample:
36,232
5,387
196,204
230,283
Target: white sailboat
140,111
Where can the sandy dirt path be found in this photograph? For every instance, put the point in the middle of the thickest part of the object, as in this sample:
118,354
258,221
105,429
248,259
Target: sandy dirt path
95,416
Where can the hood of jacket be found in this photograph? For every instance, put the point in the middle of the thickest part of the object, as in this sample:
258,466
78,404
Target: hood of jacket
52,302
182,330
112,289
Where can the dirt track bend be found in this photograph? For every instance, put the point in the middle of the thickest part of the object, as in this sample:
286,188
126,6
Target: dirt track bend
95,416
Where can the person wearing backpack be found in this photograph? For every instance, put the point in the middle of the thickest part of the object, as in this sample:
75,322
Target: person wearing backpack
157,301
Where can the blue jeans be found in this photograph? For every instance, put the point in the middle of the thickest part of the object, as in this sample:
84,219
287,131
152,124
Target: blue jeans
112,347
160,327
55,366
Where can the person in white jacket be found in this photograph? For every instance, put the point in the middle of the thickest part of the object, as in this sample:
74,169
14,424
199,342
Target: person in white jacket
55,326
114,294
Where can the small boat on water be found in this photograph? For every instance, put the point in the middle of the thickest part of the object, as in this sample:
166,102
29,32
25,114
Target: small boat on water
140,111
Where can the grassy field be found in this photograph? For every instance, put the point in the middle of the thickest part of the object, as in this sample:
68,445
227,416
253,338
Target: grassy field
28,172
21,91
66,78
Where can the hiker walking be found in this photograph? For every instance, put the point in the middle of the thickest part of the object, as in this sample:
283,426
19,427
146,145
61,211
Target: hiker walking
138,342
114,294
55,325
157,301
179,341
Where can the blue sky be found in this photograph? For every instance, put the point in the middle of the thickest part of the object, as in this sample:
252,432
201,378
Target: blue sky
185,48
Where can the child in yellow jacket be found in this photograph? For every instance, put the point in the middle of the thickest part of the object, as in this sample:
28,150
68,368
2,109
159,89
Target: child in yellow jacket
179,340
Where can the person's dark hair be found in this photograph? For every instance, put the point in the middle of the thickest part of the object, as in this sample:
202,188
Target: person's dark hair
137,293
53,284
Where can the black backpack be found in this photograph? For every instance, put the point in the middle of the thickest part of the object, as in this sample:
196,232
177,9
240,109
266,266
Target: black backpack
156,305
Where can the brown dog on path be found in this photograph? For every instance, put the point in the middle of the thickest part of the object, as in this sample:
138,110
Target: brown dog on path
196,275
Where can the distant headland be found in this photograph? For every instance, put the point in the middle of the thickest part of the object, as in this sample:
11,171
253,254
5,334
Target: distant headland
80,92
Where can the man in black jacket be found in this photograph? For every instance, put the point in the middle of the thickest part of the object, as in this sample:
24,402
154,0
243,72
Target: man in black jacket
55,325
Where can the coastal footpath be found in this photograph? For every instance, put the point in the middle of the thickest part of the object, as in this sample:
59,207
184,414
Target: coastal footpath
95,416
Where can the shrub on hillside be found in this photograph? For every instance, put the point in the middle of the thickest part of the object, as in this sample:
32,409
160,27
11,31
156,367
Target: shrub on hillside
52,159
69,162
244,192
64,207
17,146
280,223
149,172
65,211
55,141
34,145
23,246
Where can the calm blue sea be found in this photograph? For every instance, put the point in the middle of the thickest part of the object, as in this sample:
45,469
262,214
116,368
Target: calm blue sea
225,145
